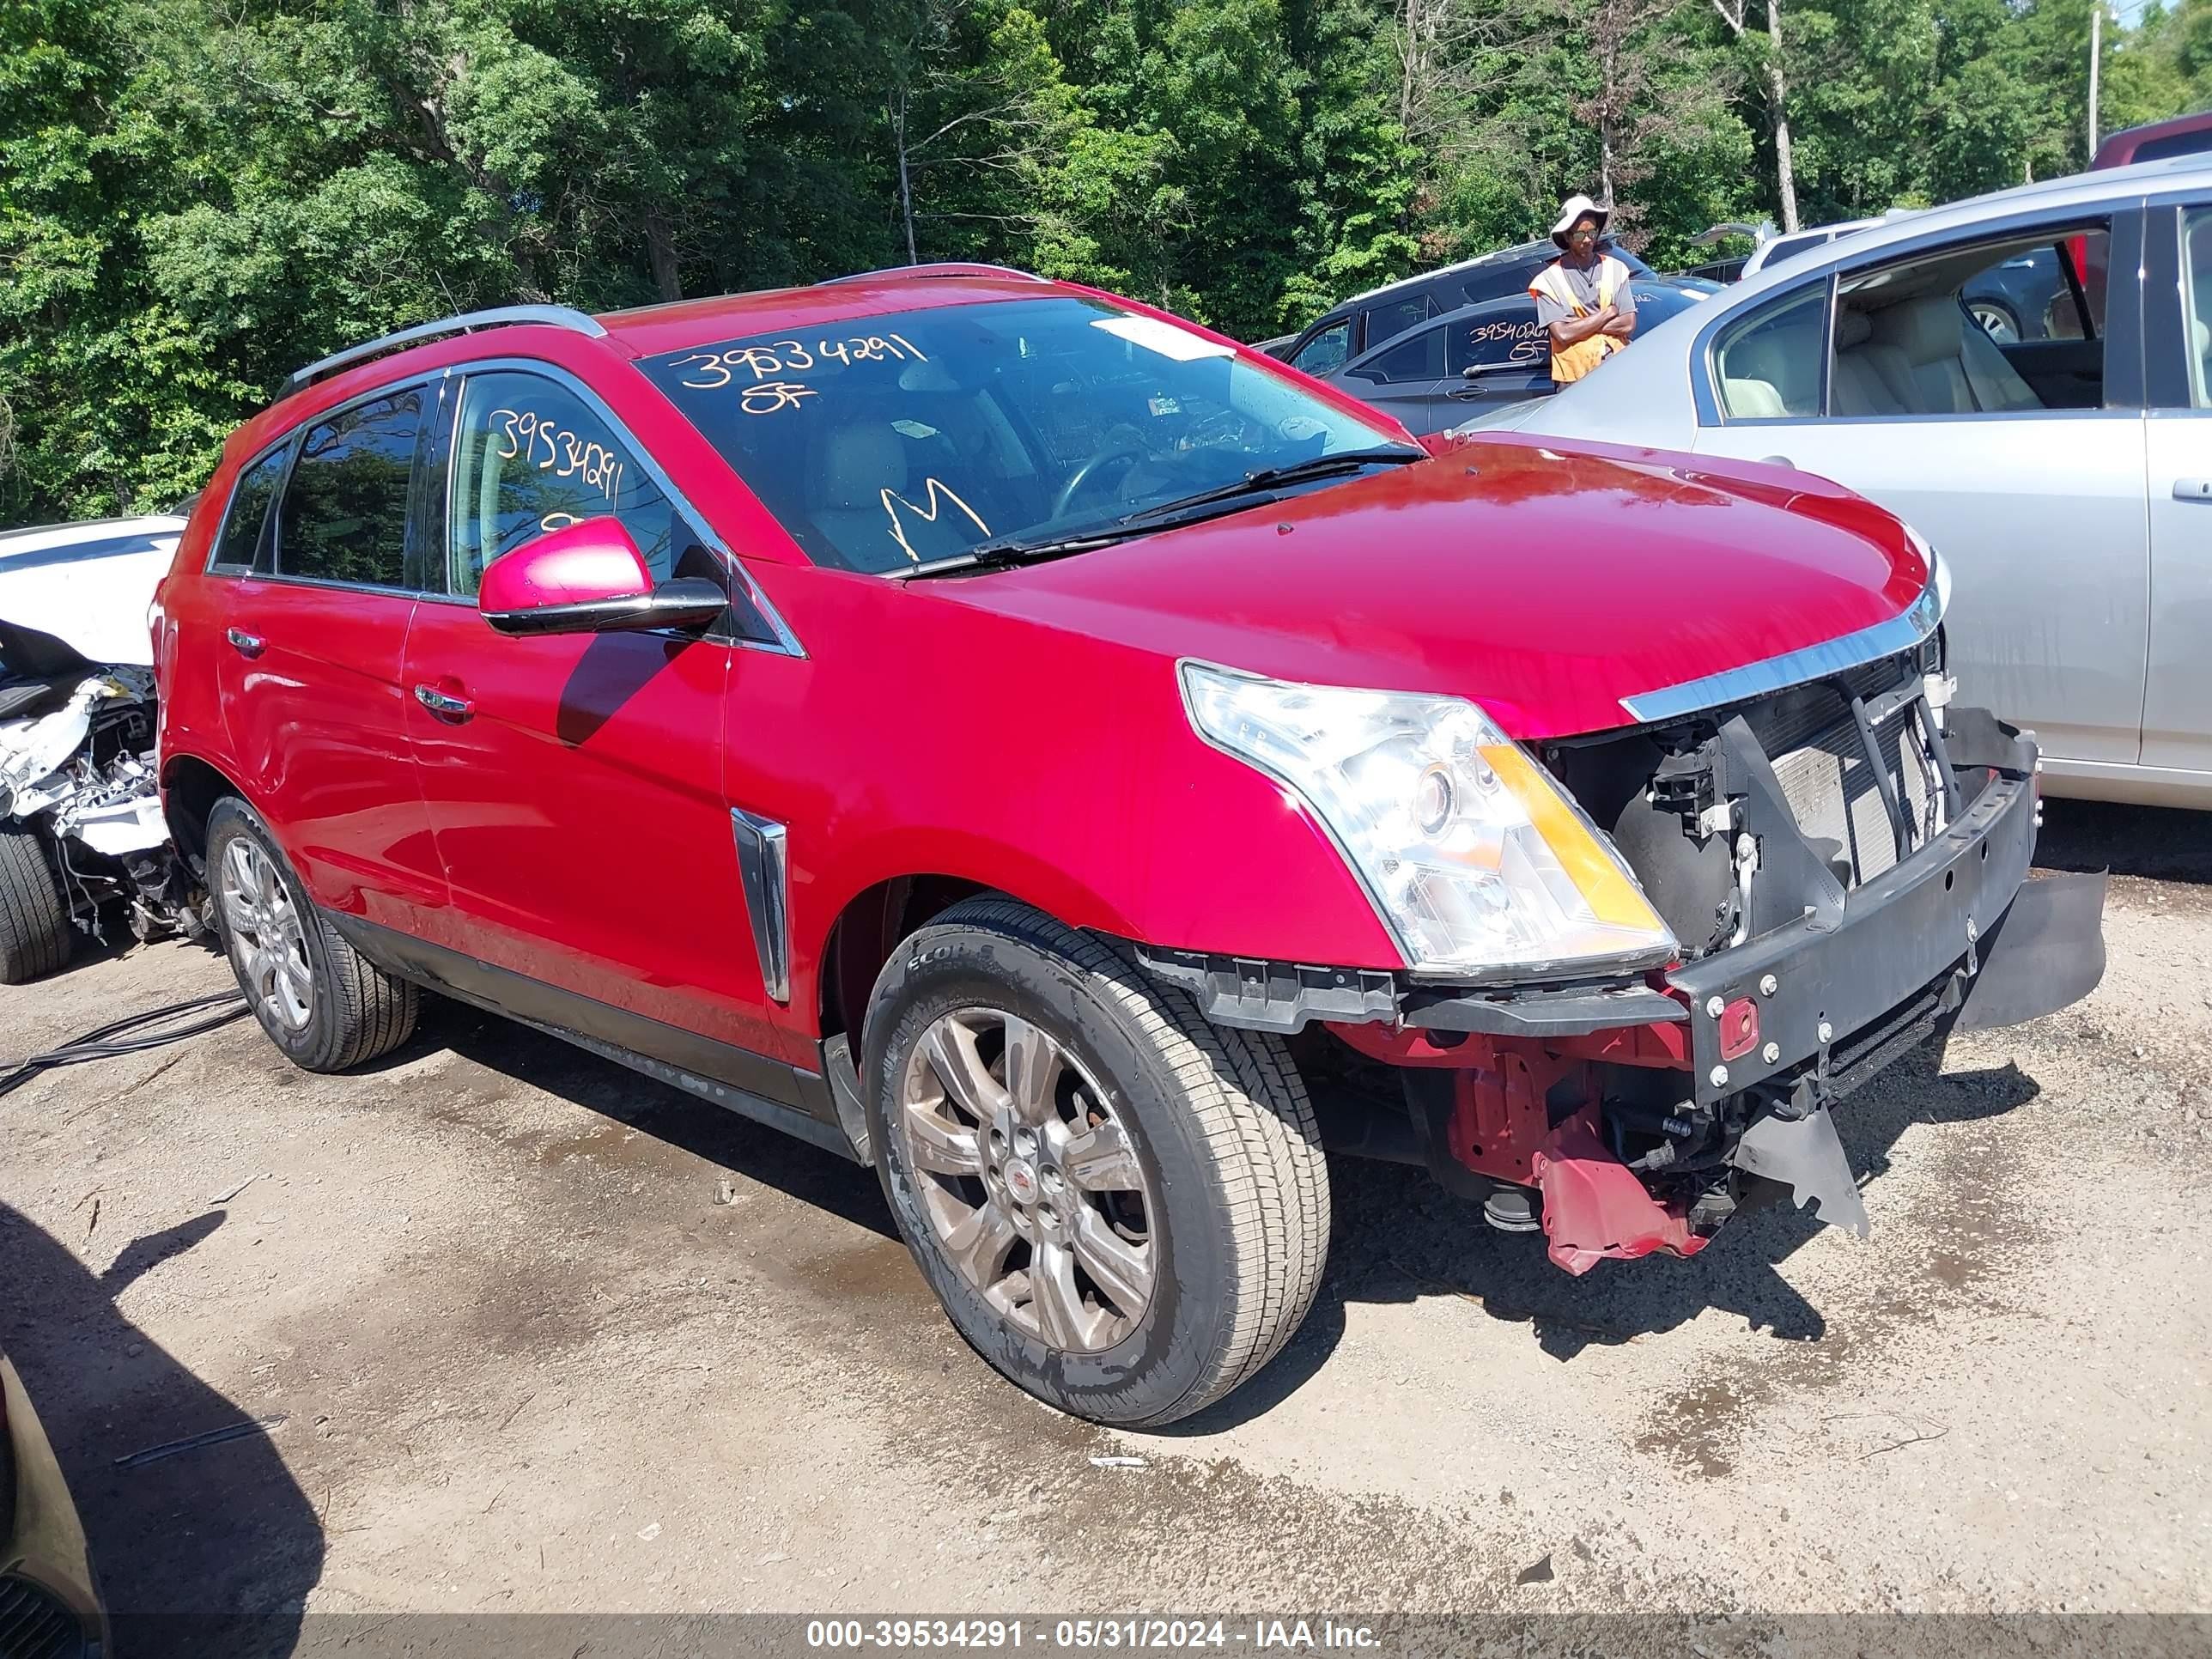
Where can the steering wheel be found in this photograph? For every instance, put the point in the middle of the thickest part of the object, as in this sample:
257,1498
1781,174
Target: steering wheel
1111,451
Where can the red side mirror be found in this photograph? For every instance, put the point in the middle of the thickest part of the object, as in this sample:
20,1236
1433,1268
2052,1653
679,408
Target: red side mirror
589,578
592,560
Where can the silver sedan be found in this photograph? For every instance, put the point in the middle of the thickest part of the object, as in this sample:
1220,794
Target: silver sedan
2062,468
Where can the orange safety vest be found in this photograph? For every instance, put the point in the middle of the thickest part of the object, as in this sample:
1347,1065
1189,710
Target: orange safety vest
1585,354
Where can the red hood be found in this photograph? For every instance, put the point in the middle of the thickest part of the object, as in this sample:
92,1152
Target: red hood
1546,584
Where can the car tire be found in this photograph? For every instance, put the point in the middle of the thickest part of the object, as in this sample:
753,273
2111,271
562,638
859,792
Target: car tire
1166,1174
1997,320
34,912
320,1000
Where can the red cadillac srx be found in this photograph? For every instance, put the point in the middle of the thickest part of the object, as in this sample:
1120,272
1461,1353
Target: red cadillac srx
1004,734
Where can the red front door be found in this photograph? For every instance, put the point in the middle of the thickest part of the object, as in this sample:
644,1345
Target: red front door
573,783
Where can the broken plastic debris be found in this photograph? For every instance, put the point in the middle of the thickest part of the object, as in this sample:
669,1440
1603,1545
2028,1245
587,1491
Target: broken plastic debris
1119,1463
647,1534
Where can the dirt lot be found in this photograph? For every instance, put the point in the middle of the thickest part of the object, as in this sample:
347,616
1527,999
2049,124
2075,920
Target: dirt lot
548,1336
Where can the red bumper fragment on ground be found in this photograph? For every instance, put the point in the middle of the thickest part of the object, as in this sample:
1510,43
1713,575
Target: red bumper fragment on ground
1594,1206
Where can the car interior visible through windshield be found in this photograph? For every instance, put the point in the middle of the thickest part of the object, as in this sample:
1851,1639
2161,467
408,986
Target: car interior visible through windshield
890,443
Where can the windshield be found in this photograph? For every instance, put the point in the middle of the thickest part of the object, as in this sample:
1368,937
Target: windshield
892,441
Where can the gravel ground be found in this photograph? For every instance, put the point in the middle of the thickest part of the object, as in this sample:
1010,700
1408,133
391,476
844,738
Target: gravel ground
549,1337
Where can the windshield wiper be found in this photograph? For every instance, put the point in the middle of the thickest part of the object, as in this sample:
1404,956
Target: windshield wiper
1267,479
1253,490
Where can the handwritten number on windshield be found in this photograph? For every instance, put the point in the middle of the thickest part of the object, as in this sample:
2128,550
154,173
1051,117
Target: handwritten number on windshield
711,371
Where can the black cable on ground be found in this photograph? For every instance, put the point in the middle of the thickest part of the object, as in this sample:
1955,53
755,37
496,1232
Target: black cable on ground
109,1041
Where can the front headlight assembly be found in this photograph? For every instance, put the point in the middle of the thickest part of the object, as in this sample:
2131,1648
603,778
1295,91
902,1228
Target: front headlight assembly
1474,859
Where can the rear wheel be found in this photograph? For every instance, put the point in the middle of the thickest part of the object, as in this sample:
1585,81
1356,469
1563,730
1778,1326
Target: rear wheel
34,917
1123,1208
318,998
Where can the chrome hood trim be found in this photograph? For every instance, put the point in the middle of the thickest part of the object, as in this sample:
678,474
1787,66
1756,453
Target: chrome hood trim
1884,639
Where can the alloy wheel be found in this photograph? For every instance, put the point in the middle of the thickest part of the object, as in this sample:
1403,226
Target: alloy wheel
1030,1181
268,937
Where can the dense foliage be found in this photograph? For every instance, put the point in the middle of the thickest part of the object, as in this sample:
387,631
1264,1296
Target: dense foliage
196,196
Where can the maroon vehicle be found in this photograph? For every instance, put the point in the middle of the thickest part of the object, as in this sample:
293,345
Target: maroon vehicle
2155,140
1005,734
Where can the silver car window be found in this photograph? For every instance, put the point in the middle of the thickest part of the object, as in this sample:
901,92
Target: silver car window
2196,302
1767,367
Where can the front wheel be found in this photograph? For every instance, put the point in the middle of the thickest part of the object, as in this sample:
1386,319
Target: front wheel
1123,1208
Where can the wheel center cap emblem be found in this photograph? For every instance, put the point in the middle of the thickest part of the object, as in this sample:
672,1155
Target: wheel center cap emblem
1021,1182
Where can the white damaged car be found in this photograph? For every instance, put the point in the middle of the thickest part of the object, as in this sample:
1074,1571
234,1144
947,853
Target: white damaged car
81,827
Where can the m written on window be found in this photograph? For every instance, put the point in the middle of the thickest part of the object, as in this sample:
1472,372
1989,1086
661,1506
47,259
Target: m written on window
1583,300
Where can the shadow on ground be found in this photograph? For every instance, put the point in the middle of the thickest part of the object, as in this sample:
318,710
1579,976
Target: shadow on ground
707,1131
2156,843
206,1551
1399,1237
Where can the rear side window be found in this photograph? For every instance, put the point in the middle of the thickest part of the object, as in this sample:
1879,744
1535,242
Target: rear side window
2174,143
1420,358
1387,322
344,513
1767,367
241,541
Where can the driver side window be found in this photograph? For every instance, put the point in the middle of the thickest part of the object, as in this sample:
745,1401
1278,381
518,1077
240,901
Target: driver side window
530,456
1326,350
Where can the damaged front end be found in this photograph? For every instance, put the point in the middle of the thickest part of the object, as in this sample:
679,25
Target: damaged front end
77,771
1843,863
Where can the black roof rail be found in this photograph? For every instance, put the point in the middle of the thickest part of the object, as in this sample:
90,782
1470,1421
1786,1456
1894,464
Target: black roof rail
557,316
945,268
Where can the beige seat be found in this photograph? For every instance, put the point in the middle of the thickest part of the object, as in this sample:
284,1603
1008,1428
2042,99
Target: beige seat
1867,377
852,465
1937,361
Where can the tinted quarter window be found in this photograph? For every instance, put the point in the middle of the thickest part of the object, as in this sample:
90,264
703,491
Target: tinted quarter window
344,514
1420,358
241,539
1767,367
531,456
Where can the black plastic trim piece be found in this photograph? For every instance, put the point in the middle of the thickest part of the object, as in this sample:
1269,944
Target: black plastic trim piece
754,1085
1543,1013
1259,995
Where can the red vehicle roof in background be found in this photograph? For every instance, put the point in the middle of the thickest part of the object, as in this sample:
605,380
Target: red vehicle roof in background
2123,147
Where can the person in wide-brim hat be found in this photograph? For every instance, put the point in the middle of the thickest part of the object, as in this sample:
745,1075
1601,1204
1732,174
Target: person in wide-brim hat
1582,297
1575,208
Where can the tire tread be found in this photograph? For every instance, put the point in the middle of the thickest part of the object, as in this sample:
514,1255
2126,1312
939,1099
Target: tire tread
34,912
1253,1113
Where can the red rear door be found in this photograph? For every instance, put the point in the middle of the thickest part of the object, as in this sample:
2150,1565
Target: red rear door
313,633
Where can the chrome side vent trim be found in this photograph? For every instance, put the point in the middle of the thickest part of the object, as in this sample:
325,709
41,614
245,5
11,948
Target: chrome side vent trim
763,868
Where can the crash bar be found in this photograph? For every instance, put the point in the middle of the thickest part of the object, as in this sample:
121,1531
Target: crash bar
555,316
